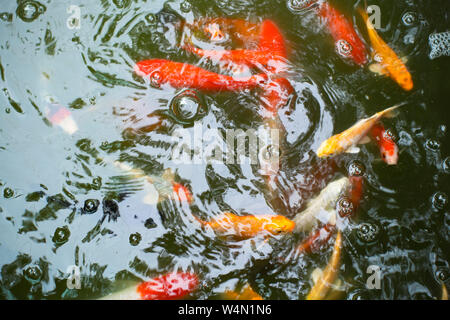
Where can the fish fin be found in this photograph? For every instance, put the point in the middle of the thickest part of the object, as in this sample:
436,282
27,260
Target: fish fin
392,112
353,150
316,275
444,292
365,140
377,68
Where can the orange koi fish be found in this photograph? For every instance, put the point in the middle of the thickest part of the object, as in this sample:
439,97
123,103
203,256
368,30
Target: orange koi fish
276,94
388,148
182,192
171,286
270,55
348,43
389,63
245,227
247,293
183,75
345,141
329,275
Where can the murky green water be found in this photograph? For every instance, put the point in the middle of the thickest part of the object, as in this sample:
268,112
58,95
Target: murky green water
47,175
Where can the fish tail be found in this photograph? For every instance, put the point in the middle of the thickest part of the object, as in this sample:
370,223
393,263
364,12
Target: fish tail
391,112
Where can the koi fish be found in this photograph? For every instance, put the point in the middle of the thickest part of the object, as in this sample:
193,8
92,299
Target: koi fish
356,191
245,227
171,286
444,292
345,141
62,117
276,94
270,55
329,275
247,293
389,63
348,42
316,239
183,75
388,148
321,207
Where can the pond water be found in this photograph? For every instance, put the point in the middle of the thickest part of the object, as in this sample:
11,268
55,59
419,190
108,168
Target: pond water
87,152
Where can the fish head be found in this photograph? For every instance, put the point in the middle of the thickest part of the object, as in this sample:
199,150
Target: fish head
279,225
404,79
327,148
148,67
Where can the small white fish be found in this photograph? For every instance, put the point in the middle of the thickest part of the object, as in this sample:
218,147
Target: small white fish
321,207
62,117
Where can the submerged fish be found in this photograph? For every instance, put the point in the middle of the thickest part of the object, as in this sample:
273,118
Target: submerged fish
348,42
345,141
247,293
389,63
322,286
171,286
62,117
269,56
316,239
386,144
322,207
245,227
276,94
182,75
444,292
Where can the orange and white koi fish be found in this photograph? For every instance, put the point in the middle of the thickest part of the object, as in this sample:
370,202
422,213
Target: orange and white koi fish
247,293
170,286
386,144
270,55
389,63
246,227
346,141
322,286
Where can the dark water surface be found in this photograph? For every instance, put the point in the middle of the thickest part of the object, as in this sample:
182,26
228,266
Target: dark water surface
47,174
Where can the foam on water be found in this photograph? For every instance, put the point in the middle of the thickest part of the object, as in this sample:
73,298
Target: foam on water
440,44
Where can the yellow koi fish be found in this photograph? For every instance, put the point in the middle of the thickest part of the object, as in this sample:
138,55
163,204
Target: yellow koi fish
322,286
389,64
246,227
247,293
346,141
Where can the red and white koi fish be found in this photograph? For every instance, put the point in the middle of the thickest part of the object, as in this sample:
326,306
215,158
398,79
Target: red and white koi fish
171,286
386,144
182,75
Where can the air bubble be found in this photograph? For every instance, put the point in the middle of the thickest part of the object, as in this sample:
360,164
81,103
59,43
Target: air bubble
344,48
29,10
368,232
441,275
299,5
356,169
8,193
33,274
6,17
155,79
91,205
185,6
439,200
446,165
135,239
150,18
409,19
61,235
432,145
187,106
344,207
